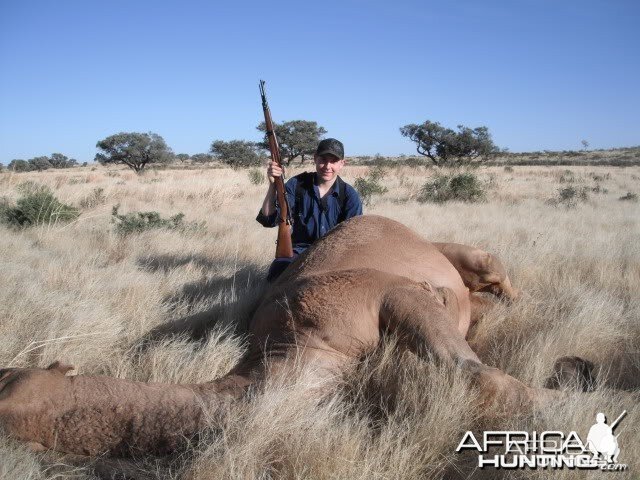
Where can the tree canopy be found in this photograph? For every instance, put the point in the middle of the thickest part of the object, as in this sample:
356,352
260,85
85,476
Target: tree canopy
202,158
236,153
40,163
136,150
296,138
58,160
445,146
19,165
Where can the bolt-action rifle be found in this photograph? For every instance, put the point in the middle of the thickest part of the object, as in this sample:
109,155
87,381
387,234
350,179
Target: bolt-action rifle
284,248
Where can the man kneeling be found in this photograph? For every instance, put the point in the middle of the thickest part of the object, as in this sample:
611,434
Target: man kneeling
318,201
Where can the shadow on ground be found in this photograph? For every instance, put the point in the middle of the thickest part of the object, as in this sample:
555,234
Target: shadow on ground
238,287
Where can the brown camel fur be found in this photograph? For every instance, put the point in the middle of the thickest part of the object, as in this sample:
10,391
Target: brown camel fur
481,272
368,277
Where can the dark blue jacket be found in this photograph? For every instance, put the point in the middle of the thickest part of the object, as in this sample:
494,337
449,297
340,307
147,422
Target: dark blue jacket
314,217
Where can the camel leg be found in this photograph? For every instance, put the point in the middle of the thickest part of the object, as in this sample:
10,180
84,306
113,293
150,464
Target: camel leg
91,415
502,289
94,415
415,313
319,367
480,270
479,307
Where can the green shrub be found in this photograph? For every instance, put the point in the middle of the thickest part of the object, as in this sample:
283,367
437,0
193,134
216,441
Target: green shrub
29,187
571,193
414,162
567,177
437,190
462,187
38,207
137,222
5,205
570,196
256,176
95,198
370,185
629,197
76,180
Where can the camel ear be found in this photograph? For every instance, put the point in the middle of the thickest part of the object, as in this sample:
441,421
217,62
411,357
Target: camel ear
60,367
427,286
446,295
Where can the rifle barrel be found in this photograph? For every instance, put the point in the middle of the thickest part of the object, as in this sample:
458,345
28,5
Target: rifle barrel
617,420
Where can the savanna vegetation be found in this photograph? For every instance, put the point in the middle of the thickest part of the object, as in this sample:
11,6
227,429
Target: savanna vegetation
110,254
296,138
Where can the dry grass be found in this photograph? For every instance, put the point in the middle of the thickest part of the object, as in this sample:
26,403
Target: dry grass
81,293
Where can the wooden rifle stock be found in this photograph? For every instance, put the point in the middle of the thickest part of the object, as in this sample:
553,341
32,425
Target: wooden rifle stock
284,247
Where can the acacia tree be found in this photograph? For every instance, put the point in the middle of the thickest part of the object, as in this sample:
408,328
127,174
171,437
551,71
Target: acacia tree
19,165
202,158
296,138
58,160
135,150
236,153
40,163
445,146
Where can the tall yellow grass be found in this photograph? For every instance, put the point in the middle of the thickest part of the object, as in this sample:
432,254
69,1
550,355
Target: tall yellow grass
82,294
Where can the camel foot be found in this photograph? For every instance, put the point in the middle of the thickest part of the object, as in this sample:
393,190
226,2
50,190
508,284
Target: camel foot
503,290
480,306
502,393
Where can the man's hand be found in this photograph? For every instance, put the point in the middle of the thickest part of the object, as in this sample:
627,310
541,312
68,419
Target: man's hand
273,170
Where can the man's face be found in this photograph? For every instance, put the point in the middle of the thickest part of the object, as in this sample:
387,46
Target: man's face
328,167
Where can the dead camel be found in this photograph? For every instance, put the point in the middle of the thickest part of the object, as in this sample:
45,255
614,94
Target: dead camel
368,277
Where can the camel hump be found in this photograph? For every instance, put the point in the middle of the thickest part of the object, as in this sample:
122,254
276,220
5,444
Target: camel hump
60,367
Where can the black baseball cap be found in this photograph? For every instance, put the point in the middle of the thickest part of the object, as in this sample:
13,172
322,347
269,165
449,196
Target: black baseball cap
330,146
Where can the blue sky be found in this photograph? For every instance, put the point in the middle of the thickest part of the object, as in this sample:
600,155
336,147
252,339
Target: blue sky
541,74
